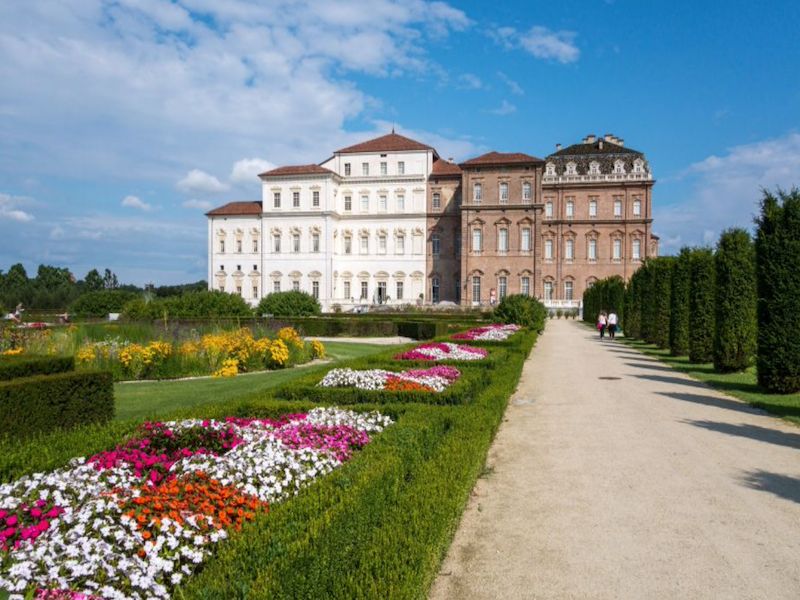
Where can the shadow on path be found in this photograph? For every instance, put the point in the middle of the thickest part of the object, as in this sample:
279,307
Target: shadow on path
674,380
727,404
653,366
754,432
783,486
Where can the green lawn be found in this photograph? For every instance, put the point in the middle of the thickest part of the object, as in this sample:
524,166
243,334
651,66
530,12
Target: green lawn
148,400
741,385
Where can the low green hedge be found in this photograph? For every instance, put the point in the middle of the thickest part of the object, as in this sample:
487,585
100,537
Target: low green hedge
13,367
45,402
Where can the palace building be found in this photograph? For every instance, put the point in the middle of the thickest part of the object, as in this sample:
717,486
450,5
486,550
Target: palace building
388,221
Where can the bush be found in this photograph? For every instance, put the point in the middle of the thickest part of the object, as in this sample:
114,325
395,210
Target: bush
606,295
209,304
288,304
660,282
522,310
679,305
100,303
777,261
735,331
13,367
46,402
702,277
633,306
420,330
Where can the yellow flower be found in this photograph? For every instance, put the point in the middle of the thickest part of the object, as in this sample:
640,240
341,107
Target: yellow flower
290,336
317,349
278,353
13,351
86,354
230,367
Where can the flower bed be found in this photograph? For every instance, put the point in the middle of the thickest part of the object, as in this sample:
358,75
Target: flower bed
137,520
443,351
434,379
489,333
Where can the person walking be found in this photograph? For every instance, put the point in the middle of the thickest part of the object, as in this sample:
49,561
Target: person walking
612,324
601,324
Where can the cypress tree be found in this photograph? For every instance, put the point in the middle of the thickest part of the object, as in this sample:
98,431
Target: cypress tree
633,307
702,279
778,277
662,291
735,330
679,305
647,301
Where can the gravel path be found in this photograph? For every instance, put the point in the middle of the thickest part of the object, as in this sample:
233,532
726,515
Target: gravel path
645,484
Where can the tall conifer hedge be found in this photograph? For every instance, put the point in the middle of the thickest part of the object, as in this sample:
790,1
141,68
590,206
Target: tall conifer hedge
778,276
679,305
735,331
633,306
702,277
661,283
647,300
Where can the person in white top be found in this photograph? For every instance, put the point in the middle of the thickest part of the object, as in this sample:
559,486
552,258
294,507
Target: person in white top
612,324
601,324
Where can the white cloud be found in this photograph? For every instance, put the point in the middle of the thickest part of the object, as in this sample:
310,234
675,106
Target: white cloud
470,81
540,41
200,182
136,202
9,209
505,108
195,203
246,171
513,86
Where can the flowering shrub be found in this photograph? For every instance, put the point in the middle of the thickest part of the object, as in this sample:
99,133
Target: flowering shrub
317,349
229,368
13,351
106,527
434,379
443,351
496,333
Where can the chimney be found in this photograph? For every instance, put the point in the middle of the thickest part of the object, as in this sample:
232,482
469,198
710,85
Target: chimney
620,142
590,138
558,147
600,144
609,137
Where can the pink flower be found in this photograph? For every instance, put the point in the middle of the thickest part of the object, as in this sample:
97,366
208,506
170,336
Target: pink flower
11,521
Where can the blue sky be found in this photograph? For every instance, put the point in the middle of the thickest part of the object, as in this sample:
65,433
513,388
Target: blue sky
122,121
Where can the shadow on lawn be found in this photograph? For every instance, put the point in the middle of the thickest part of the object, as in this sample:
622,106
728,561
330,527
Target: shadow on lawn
753,432
784,486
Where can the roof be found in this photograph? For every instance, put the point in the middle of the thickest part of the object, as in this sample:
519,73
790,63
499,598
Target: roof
297,170
391,142
600,147
444,168
237,209
501,158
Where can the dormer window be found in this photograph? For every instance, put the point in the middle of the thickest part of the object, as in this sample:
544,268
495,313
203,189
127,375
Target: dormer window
550,169
638,166
619,166
572,169
594,168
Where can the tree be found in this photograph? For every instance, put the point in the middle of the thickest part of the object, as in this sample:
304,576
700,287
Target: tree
702,283
93,282
522,310
110,280
648,300
288,304
778,283
661,283
679,304
735,330
633,306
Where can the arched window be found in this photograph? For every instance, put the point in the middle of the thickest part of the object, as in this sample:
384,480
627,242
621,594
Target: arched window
526,191
477,193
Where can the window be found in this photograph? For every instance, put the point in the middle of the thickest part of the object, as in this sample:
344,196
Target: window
525,286
550,169
222,246
617,208
638,166
348,203
636,253
315,198
295,243
222,267
548,249
502,240
315,289
436,244
399,290
548,210
526,191
548,290
437,200
592,208
276,286
569,249
401,202
570,209
502,286
295,286
619,167
365,169
295,199
239,290
617,249
477,193
525,240
238,267
504,193
637,207
276,243
416,243
567,290
255,245
594,168
477,240
592,252
222,288
435,289
347,289
400,245
364,290
348,244
347,169
383,168
364,244
315,242
571,169
255,291
476,289
276,199
382,244
382,204
401,168
255,267
364,203
239,246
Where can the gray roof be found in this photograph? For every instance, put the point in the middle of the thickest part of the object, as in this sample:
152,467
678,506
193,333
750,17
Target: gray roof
604,152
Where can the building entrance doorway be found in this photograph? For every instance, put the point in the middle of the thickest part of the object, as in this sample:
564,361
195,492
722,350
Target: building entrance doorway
381,292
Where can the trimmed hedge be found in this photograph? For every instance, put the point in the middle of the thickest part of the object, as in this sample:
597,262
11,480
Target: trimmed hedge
14,367
606,295
46,402
102,302
777,261
633,306
661,282
735,331
207,304
522,310
289,304
679,313
702,277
